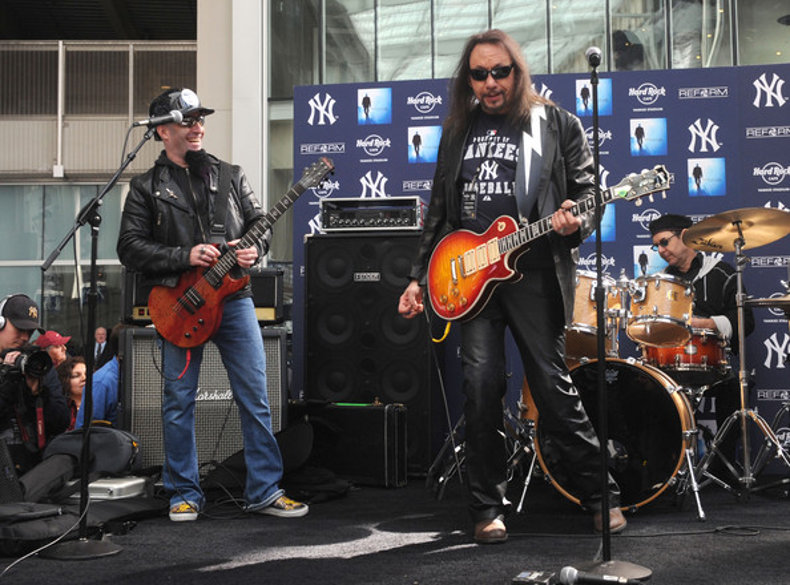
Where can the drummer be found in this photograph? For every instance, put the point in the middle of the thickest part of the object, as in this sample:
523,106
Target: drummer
715,308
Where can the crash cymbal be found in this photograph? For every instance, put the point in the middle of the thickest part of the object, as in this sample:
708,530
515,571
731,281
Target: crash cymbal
717,233
775,302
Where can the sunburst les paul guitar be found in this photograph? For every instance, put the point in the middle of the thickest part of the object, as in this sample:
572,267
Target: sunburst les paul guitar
188,314
466,267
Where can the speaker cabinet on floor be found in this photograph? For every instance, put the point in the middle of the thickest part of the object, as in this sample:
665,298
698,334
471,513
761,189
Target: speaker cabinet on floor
358,348
217,425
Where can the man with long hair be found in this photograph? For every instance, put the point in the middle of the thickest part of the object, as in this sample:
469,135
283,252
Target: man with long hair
506,150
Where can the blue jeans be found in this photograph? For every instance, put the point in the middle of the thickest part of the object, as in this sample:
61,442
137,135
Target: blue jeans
240,345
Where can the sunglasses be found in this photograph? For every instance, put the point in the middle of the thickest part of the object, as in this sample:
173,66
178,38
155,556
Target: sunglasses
191,121
498,72
662,242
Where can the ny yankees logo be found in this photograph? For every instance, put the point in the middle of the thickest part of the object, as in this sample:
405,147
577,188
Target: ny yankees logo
489,170
770,91
707,136
324,109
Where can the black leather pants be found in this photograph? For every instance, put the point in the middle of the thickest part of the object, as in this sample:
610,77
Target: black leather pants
532,309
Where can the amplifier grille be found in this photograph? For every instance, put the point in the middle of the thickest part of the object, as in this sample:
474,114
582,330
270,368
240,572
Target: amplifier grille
217,425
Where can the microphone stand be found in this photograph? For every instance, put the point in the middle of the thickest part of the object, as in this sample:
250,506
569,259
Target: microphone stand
606,566
84,548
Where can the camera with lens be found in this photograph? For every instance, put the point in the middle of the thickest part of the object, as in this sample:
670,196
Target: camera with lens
31,361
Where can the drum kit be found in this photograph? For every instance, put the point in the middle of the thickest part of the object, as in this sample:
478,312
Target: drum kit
652,431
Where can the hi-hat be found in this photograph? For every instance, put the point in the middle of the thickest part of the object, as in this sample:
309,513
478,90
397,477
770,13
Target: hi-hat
772,302
718,233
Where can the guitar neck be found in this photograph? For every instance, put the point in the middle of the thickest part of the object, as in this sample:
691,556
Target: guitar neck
533,231
228,260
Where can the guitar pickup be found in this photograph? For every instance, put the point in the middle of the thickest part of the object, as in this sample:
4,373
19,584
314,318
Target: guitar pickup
191,300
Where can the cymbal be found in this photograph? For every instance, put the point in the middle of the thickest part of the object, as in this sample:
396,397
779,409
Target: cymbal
717,233
775,302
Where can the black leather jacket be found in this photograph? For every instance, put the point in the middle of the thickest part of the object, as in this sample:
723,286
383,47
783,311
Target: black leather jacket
566,174
159,224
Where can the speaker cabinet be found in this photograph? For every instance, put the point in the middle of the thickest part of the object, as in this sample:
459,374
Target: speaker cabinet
217,424
358,348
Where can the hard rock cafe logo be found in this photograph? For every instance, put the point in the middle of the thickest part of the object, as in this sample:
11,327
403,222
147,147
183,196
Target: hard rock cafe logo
771,173
647,93
424,102
603,136
645,217
783,434
325,188
588,262
374,144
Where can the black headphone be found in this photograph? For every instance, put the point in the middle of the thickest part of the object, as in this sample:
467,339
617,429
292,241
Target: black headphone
2,308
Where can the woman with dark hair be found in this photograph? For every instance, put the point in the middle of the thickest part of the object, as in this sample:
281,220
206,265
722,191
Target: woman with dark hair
73,374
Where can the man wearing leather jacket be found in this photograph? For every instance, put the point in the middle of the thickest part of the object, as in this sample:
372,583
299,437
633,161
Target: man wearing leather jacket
506,150
167,228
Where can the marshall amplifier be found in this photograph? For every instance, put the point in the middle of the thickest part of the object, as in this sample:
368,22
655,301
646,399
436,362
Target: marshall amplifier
379,213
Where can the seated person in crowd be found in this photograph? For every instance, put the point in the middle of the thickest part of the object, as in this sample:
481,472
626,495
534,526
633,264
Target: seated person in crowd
55,345
73,374
104,388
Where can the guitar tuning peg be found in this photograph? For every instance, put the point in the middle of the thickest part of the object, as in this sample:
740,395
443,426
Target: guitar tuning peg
638,203
663,194
650,197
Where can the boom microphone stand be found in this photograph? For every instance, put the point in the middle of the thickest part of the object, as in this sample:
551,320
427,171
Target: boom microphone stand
606,566
84,548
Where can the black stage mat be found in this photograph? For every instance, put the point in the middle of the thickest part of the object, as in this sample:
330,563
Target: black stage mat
405,536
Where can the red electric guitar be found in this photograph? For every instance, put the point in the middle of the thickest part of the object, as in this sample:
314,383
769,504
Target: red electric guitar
465,267
188,314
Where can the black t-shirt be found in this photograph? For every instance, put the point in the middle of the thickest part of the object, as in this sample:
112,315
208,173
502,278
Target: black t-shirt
488,172
487,182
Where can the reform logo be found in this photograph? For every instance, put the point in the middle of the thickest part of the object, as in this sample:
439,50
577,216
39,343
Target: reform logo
769,93
703,93
647,94
424,102
322,111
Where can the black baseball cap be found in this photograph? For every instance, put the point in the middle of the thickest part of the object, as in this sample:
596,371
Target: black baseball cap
182,99
23,313
671,222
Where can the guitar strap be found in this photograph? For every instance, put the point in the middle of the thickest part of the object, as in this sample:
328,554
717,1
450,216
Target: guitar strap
217,231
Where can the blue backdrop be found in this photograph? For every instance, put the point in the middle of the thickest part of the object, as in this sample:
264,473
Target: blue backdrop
724,135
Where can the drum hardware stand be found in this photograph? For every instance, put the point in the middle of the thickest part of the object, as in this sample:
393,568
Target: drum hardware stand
691,475
761,460
743,415
441,472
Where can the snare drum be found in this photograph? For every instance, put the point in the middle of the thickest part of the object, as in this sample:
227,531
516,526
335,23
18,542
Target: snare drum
581,335
701,361
661,308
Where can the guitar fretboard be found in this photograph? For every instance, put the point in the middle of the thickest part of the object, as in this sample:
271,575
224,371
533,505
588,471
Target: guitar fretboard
536,229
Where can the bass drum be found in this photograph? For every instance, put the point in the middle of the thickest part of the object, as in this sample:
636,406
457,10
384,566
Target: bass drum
649,424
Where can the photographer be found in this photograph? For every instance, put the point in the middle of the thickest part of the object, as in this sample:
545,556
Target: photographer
32,406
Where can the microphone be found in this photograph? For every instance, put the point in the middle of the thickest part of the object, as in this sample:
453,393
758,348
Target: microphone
174,116
570,576
593,55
